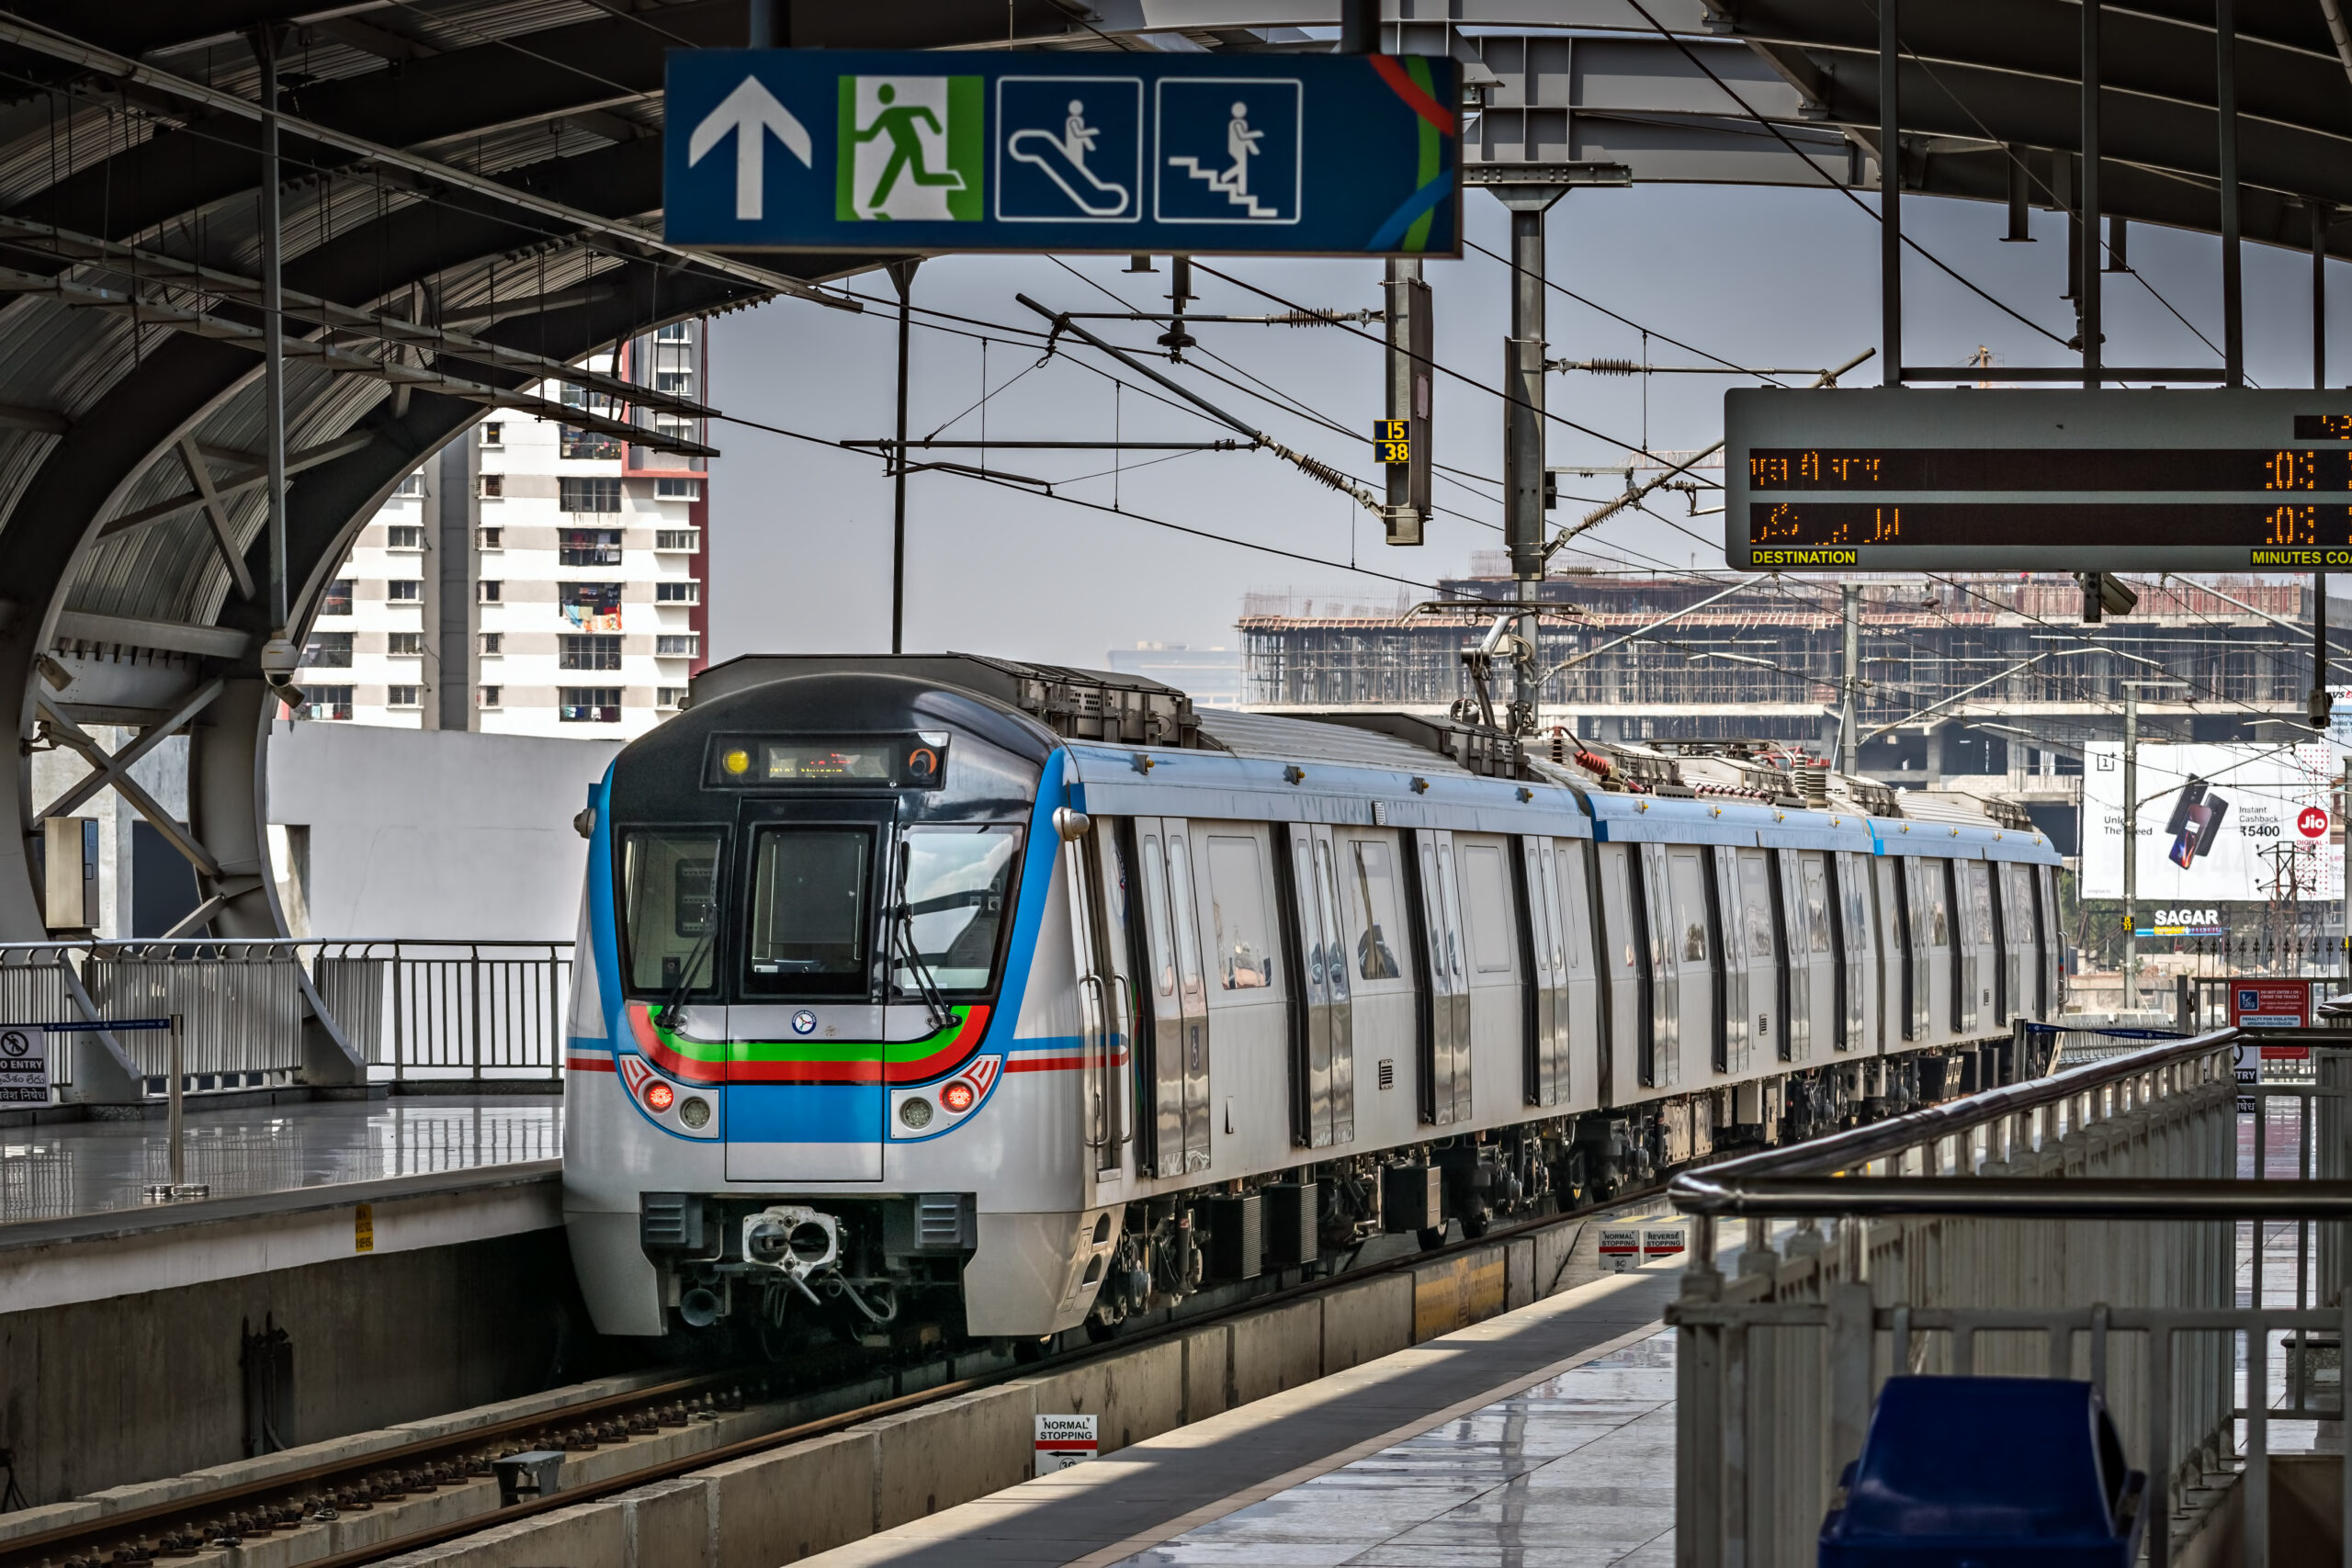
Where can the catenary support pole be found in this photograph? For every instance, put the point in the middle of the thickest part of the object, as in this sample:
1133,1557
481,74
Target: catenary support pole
903,277
2225,98
1523,432
1890,198
2089,300
2131,845
2321,212
1849,739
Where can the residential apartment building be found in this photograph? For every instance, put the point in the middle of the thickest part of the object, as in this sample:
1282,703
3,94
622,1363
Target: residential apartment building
536,578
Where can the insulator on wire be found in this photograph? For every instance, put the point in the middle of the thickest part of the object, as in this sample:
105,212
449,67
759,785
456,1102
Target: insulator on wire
1599,366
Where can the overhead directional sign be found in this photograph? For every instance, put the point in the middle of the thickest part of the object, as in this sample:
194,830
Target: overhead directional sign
2115,480
1194,153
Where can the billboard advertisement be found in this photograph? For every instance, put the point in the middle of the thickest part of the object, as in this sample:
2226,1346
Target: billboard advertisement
2216,824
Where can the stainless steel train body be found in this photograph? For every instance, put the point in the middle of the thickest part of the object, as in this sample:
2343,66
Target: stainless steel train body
901,1006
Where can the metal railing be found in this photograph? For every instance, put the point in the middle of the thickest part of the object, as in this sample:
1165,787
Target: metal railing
267,1013
2089,1224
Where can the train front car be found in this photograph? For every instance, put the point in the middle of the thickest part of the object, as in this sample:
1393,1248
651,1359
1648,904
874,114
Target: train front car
813,1058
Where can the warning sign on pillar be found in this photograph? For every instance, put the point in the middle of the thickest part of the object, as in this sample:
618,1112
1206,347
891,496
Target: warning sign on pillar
1064,1440
2270,1004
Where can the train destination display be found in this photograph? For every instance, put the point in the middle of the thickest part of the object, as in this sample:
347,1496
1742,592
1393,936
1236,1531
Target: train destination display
2118,480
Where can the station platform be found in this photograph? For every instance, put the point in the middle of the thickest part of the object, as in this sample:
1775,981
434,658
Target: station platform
1550,1426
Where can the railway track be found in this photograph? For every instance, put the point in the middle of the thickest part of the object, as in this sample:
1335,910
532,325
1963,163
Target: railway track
284,1506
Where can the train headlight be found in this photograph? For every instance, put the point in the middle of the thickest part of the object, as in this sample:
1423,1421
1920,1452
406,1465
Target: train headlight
958,1096
695,1112
737,761
915,1112
658,1096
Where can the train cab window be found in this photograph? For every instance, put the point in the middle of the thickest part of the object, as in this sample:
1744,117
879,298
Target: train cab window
1238,924
668,909
810,900
1485,898
1374,870
1155,892
957,880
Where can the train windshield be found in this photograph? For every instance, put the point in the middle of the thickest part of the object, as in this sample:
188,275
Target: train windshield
669,916
957,883
809,924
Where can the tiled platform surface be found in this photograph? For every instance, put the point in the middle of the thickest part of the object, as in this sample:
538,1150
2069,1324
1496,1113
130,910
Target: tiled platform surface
1545,1435
1573,1471
71,1169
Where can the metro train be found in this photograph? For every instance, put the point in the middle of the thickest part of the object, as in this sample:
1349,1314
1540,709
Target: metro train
928,996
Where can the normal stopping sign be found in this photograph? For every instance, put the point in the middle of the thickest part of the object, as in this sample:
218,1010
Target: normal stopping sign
1064,1440
24,1065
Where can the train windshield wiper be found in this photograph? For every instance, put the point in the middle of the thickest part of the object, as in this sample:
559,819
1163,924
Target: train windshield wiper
673,1014
902,934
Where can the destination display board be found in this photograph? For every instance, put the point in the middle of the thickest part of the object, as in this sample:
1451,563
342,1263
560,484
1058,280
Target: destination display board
2052,481
1199,155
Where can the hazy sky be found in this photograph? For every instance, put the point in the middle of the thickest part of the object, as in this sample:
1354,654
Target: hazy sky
801,534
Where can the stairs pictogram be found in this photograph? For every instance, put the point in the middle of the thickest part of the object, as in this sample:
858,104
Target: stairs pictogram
1223,180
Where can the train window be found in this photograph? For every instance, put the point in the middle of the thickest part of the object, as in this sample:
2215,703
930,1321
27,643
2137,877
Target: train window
1188,942
668,907
1927,902
1384,929
1816,905
1689,905
1243,936
1485,898
1980,901
1155,894
1756,904
809,911
957,881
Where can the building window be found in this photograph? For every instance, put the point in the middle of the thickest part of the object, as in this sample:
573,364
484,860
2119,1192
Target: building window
670,696
688,591
404,536
413,485
591,607
494,486
400,697
405,645
337,600
493,432
675,331
405,590
326,702
589,494
591,443
493,642
686,539
676,383
492,591
490,538
491,695
590,652
674,645
328,651
590,704
677,489
590,547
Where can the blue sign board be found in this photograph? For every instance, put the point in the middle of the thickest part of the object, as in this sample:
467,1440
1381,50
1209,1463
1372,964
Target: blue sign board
1192,153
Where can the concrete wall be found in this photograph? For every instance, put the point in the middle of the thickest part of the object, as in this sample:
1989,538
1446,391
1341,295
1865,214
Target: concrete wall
431,833
100,1393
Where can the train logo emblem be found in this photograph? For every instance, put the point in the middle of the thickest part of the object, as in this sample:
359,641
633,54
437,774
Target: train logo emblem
804,1023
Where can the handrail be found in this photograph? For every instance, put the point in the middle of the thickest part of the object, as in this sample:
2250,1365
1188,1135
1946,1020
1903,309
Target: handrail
1722,1189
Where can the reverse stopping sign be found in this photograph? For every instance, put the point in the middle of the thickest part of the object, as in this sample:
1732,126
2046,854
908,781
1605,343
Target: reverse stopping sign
1297,154
24,1065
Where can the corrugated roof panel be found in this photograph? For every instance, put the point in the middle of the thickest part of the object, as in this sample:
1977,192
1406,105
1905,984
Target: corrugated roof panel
1298,740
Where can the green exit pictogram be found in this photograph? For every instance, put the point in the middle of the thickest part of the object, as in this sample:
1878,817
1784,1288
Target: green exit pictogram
911,147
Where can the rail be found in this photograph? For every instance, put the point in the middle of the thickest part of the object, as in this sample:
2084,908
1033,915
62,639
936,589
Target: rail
266,1014
2119,1222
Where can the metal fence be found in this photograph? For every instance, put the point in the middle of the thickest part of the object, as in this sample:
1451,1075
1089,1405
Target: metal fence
263,1013
2088,1225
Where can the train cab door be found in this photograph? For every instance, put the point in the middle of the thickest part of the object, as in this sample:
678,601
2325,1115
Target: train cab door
2045,942
1445,1038
1814,952
1544,954
1895,952
1585,1024
1621,933
1323,1046
1688,998
1178,1082
1106,994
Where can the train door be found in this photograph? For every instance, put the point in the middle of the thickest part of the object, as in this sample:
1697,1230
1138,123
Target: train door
1544,956
1382,1006
1483,869
1896,953
1726,961
2045,941
1973,929
1178,1081
1446,1041
1627,969
1861,988
1098,897
1814,951
1765,1016
1792,983
1932,955
1322,1037
1690,949
1585,1021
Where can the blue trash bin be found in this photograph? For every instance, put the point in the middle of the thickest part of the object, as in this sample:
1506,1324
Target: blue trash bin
1987,1472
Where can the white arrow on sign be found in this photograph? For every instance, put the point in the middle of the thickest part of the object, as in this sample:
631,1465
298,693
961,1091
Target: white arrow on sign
749,111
